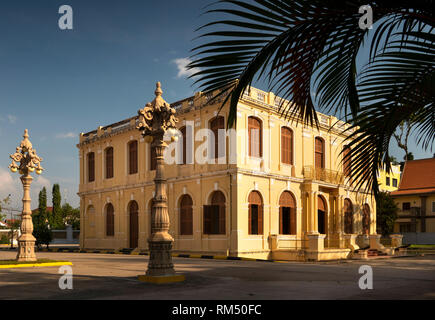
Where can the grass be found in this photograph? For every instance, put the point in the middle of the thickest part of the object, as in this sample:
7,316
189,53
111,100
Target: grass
14,262
422,246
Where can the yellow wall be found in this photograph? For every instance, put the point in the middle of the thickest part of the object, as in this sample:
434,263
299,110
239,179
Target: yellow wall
267,175
393,174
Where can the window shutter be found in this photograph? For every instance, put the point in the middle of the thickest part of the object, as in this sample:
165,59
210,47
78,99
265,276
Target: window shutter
207,219
109,163
286,145
280,221
133,157
346,161
255,137
221,219
319,153
91,167
260,219
293,221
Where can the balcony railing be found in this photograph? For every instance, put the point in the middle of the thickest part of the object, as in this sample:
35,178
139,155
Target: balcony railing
321,174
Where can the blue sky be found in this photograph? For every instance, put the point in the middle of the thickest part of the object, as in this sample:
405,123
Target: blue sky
59,83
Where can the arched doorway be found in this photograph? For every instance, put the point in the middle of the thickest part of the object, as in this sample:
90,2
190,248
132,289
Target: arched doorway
321,215
255,213
133,210
214,214
186,215
348,216
287,214
366,219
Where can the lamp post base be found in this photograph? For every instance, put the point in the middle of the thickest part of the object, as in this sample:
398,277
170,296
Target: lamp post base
162,279
160,263
26,251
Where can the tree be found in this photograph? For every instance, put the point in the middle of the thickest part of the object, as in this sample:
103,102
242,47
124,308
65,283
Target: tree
386,213
71,216
41,230
297,46
56,217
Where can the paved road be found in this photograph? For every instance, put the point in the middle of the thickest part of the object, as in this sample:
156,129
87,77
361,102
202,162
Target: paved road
98,276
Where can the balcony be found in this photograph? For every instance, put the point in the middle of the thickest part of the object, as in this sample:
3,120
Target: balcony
325,175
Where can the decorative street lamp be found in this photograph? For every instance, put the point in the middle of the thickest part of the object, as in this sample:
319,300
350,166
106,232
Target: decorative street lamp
155,120
25,160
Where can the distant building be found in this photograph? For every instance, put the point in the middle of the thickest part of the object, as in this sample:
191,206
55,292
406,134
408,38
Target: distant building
416,197
389,181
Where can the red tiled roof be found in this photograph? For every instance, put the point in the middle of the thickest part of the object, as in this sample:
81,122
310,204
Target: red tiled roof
418,177
49,209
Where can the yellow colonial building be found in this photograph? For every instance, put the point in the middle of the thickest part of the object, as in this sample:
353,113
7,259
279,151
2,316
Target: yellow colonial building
389,181
271,189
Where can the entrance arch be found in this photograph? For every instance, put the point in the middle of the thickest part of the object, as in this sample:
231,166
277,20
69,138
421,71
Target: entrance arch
133,210
287,213
366,219
322,215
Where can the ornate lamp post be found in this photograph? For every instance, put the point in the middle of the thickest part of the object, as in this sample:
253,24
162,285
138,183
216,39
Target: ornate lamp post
25,160
154,121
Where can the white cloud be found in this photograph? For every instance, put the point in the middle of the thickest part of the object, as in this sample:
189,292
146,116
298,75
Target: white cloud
182,67
41,182
68,135
12,119
7,183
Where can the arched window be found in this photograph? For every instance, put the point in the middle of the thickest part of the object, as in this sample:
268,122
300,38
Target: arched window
133,210
322,220
91,167
286,145
184,139
347,163
255,133
287,214
90,226
348,216
366,219
255,219
319,153
153,158
217,124
110,220
186,215
109,162
133,157
214,214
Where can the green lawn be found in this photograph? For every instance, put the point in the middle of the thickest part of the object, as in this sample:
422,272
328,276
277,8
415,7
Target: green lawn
422,246
11,262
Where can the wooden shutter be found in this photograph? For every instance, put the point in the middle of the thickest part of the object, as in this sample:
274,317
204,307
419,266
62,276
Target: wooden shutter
280,220
286,145
91,167
109,163
215,125
184,137
207,219
255,137
221,219
293,221
133,154
260,219
186,219
319,153
110,221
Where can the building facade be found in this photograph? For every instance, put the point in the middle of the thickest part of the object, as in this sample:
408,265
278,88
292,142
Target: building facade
389,181
271,189
416,198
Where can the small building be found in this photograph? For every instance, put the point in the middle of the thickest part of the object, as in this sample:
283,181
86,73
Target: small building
416,198
389,181
272,188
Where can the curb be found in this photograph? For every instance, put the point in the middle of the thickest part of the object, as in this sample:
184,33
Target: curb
176,255
34,265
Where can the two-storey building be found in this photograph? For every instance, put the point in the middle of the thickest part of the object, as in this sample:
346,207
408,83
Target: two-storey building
272,188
